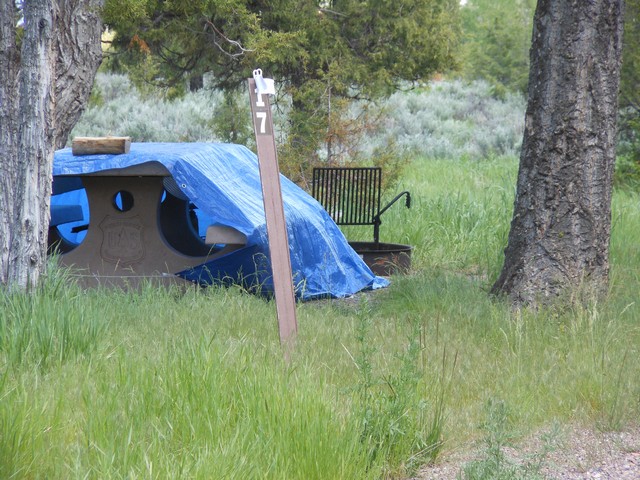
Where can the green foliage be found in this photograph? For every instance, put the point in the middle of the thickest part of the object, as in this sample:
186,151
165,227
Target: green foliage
630,71
318,51
497,38
230,122
628,168
627,172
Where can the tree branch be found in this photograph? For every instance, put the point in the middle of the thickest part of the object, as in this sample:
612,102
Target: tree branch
219,45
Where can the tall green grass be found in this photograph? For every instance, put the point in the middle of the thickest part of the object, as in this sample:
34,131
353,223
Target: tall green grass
193,385
163,383
47,327
459,215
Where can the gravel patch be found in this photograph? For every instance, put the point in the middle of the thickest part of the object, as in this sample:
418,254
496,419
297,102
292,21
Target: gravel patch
579,453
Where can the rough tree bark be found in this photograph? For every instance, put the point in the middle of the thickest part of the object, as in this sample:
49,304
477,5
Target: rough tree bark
44,85
34,148
78,54
9,61
560,230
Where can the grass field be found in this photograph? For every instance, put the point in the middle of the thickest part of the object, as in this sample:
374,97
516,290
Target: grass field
168,384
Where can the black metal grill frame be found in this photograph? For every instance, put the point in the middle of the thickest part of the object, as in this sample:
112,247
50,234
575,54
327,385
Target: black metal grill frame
351,196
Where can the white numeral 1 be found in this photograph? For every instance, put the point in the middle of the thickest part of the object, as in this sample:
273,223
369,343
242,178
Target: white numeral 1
259,102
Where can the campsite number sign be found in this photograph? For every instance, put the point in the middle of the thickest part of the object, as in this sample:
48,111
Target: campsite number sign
262,115
274,212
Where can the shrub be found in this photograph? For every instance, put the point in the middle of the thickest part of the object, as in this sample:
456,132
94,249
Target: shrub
119,109
447,119
453,119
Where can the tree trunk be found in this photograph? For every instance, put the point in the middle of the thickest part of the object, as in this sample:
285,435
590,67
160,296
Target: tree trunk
78,54
9,67
560,230
34,152
43,90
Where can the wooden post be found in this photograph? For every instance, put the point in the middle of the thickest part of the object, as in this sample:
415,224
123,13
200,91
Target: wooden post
274,211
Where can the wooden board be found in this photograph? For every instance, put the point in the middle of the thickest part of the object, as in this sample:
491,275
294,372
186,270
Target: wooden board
99,145
274,212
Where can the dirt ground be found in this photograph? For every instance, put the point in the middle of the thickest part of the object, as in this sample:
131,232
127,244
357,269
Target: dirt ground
578,453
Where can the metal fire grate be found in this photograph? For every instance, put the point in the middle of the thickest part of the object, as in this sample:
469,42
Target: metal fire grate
351,196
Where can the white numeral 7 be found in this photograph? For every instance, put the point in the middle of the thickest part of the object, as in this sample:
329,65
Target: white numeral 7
263,118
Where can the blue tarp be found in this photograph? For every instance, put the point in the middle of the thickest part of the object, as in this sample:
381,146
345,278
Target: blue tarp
223,181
